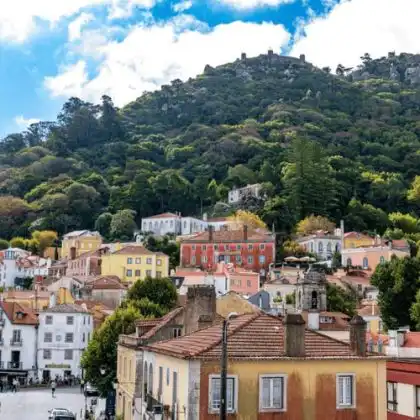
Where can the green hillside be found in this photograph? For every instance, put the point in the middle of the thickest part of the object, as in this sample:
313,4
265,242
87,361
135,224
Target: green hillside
344,145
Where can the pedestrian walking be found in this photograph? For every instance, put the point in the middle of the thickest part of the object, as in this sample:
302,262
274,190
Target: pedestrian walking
15,385
53,386
82,386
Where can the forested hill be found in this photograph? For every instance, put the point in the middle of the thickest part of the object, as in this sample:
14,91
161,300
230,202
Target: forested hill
341,145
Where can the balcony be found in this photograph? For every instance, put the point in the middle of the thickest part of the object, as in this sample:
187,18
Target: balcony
14,365
16,342
153,405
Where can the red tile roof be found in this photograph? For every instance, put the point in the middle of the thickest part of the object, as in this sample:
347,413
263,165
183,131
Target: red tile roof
230,236
400,243
133,250
106,282
162,216
161,322
11,309
251,336
412,339
358,235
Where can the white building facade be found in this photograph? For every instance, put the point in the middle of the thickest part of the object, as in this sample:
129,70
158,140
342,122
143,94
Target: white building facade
236,195
64,333
322,245
171,223
18,333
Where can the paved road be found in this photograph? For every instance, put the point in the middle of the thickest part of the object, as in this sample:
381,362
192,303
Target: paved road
34,404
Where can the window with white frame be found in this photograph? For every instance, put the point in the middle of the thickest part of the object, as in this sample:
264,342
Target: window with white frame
49,319
273,392
345,390
391,393
68,354
148,261
47,337
215,393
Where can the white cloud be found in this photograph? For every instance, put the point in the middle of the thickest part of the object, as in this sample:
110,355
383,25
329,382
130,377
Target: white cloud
182,6
75,27
355,27
18,19
150,56
24,123
252,4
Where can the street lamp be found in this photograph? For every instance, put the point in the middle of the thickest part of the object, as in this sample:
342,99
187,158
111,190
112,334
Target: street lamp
224,362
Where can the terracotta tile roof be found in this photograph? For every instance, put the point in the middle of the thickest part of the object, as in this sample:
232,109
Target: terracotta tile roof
400,243
79,233
91,304
369,310
25,294
106,282
133,250
230,236
412,339
251,336
11,309
357,234
162,322
67,308
162,216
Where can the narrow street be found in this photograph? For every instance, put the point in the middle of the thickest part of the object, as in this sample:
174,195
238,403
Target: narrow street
34,404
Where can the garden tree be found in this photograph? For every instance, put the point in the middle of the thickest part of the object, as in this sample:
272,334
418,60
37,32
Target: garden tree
240,175
147,308
13,214
160,291
364,217
413,194
314,223
101,352
168,246
140,195
404,222
246,218
398,282
340,299
103,224
123,225
415,311
44,239
99,183
110,121
4,244
18,242
278,213
293,249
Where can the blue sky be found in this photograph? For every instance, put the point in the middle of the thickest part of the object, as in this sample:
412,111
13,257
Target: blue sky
53,49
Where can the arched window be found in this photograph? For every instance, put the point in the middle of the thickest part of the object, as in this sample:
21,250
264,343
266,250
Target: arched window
382,260
365,263
314,300
329,247
349,264
150,381
320,247
312,247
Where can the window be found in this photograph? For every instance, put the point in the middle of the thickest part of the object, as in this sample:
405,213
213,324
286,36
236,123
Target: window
17,336
391,394
70,320
49,319
47,354
138,260
69,338
84,320
204,247
417,400
215,247
148,273
160,385
193,247
137,273
129,273
193,259
168,376
238,259
262,247
171,223
250,247
365,263
83,337
320,247
177,332
329,247
273,392
231,400
158,262
204,259
345,391
68,354
129,261
248,283
261,259
47,337
158,274
250,260
238,247
148,261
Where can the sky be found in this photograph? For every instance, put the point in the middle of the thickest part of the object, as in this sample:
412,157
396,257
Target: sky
51,50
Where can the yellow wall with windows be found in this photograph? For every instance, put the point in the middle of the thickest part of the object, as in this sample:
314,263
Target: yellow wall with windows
370,377
126,375
357,242
82,245
140,265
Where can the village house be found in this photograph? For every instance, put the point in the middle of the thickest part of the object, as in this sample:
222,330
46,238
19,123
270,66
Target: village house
276,369
106,289
323,244
18,353
78,242
246,248
237,194
357,240
86,264
134,262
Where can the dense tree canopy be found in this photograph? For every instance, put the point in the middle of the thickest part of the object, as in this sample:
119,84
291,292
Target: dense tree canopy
338,146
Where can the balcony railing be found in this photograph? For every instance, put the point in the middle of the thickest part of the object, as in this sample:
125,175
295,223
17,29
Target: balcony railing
14,365
153,405
18,342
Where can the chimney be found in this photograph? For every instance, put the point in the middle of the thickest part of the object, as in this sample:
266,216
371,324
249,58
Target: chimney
294,335
200,308
245,232
302,58
358,336
243,56
210,233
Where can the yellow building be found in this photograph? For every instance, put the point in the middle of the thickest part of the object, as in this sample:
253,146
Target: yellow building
357,240
135,262
372,315
78,242
233,302
276,370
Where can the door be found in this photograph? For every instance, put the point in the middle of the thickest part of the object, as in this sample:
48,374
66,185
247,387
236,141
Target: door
15,359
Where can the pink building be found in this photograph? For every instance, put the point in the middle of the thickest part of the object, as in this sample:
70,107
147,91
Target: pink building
369,258
87,264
